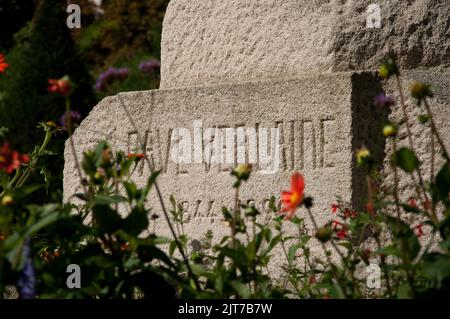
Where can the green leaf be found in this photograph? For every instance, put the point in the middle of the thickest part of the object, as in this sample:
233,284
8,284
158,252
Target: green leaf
47,174
404,238
131,190
437,267
218,283
154,240
172,247
272,245
106,219
242,289
406,160
107,200
443,181
198,269
13,244
136,222
272,205
148,186
149,253
292,251
28,190
389,251
411,209
404,291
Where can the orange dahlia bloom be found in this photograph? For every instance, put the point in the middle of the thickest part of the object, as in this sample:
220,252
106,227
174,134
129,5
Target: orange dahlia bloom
11,160
293,198
59,86
3,64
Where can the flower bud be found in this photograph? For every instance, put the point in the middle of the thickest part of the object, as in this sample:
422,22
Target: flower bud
390,130
242,172
420,90
389,67
323,234
308,202
243,169
106,155
384,72
7,200
363,156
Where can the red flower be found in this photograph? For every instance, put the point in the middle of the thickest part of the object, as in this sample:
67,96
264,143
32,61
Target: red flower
419,230
3,64
342,233
11,160
59,86
347,213
136,155
412,202
340,228
293,198
334,208
335,224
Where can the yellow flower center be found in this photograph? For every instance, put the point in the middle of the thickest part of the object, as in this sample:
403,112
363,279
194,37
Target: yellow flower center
2,159
295,198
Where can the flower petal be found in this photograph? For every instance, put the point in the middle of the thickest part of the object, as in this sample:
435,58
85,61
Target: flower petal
297,183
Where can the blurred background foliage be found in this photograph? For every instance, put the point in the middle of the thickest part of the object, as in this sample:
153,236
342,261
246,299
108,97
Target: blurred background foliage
38,46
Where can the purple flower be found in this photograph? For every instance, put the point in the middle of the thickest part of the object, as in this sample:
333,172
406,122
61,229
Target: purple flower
122,73
150,66
27,279
74,117
383,100
109,76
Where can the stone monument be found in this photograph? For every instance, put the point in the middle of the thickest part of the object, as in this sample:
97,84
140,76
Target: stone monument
286,85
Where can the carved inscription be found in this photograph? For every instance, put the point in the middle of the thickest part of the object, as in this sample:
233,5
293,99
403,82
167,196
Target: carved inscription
293,144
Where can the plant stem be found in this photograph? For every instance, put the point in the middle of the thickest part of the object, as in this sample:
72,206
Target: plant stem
235,218
409,133
396,198
160,199
434,129
316,228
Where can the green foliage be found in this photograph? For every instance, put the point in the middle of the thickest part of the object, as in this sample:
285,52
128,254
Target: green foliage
110,232
49,52
406,160
125,28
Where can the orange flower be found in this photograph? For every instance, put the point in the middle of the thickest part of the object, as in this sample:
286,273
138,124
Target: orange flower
293,198
3,64
11,160
59,86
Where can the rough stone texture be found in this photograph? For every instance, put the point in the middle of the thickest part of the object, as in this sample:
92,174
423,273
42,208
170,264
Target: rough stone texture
440,106
285,64
208,42
323,119
313,113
